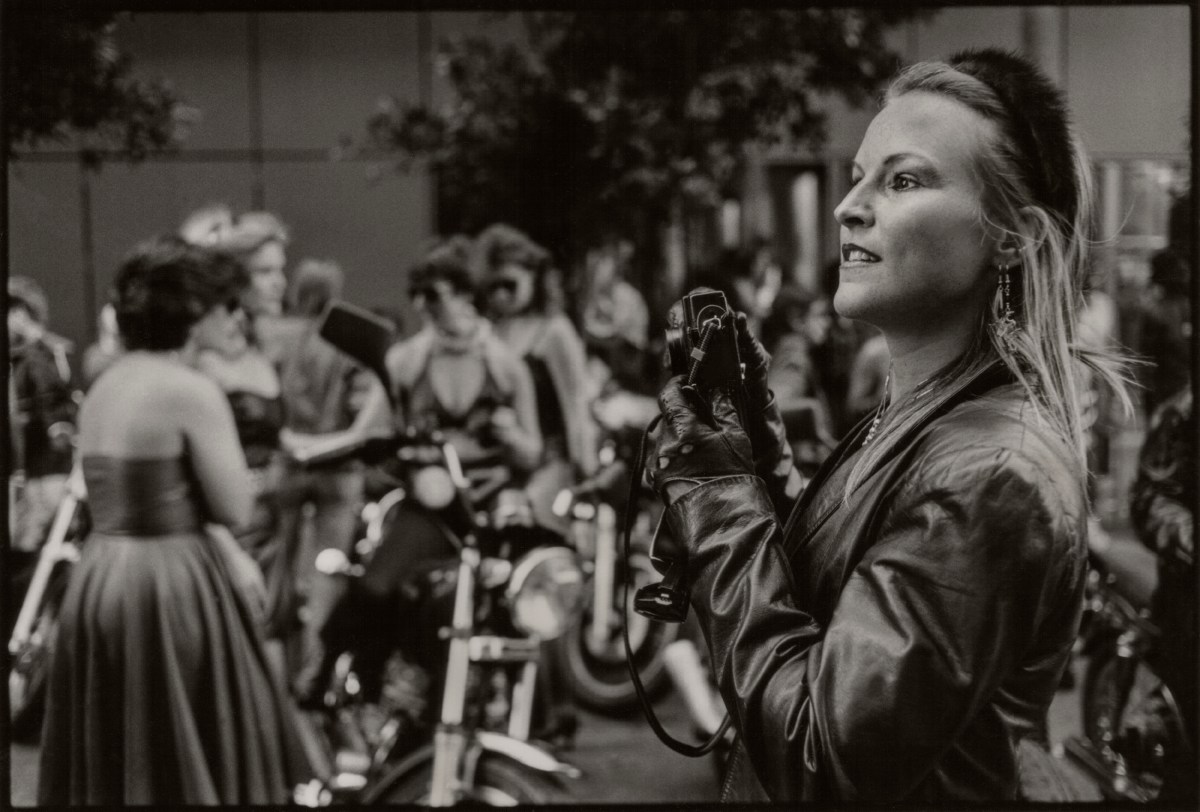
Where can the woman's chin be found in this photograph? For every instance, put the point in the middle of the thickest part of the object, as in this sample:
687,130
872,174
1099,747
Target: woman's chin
850,301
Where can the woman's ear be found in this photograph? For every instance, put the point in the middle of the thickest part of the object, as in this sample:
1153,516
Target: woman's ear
1025,238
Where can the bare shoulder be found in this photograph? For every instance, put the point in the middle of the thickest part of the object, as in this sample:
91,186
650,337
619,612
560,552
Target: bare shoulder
185,387
559,328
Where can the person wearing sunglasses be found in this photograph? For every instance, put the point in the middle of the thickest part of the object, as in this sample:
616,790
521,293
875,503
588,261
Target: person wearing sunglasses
457,375
520,290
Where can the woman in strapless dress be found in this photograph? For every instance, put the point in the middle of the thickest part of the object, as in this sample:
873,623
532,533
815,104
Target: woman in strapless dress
159,692
251,383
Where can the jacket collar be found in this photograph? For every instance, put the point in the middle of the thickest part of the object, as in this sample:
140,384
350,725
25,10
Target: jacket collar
986,378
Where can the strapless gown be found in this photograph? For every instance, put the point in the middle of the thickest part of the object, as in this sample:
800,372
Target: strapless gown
159,692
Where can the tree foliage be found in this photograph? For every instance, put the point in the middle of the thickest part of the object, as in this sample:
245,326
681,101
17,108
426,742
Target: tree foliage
66,81
599,114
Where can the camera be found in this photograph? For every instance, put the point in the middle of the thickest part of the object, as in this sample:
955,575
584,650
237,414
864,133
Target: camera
701,344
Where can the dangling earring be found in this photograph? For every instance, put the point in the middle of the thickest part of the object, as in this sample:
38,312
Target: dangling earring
1006,325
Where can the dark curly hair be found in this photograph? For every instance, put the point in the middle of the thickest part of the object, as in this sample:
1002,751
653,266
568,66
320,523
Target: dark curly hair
448,260
166,285
500,244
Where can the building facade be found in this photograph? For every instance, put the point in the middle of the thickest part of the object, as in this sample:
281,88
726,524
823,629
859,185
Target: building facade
280,92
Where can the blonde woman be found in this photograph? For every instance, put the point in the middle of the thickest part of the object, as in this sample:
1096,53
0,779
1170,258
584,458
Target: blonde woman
899,632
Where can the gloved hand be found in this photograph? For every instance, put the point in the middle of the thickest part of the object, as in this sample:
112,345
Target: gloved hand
764,423
758,362
688,449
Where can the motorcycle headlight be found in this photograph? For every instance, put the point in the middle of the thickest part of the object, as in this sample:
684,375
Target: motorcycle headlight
545,593
432,487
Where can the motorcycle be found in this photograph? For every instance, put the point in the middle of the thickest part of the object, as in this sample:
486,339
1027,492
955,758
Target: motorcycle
36,627
474,635
1131,722
593,649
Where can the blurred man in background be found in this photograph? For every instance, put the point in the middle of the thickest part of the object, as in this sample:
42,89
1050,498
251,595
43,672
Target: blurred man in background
43,416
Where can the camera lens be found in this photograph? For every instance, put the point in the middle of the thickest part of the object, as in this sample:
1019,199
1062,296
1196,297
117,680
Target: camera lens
676,356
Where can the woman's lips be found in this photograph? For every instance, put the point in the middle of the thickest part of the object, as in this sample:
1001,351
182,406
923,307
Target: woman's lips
856,253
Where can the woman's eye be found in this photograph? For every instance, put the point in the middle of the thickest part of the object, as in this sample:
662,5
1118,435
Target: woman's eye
903,182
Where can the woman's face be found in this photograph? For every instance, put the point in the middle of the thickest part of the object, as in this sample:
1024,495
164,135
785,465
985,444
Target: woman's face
915,252
511,289
450,310
267,282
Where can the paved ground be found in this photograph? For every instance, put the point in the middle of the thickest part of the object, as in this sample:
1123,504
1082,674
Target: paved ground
621,759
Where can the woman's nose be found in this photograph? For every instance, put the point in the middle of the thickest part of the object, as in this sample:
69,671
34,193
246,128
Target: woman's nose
855,208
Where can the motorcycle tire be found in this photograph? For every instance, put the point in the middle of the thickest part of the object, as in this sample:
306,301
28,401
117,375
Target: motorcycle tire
28,677
599,674
1150,712
499,781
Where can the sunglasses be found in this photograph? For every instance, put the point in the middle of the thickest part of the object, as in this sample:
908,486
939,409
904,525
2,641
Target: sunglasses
428,294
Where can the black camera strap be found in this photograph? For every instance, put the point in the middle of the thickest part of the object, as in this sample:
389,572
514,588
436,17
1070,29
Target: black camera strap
689,750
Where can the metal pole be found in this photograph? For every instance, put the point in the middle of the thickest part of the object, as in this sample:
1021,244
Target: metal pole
88,247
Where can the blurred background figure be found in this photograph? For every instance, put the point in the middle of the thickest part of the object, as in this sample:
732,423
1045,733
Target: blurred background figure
42,409
799,323
158,691
835,355
614,319
518,284
259,239
321,388
100,354
250,382
1162,499
1166,310
208,226
750,277
868,375
1097,331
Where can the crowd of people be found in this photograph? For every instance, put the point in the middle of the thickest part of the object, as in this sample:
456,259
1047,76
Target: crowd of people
195,616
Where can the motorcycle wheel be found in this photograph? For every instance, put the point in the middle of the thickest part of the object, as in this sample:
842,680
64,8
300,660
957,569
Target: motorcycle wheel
598,671
28,677
498,782
1149,729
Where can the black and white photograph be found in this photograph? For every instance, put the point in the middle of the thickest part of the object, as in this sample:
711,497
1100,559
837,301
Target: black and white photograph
482,405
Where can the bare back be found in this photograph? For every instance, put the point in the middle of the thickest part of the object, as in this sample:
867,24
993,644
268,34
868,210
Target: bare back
148,406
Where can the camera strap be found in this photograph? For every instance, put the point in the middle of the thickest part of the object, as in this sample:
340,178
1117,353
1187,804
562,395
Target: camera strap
689,750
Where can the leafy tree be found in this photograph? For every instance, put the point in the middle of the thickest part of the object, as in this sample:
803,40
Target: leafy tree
65,80
615,119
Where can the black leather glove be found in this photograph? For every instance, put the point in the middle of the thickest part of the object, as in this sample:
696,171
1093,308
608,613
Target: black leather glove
695,441
764,424
758,363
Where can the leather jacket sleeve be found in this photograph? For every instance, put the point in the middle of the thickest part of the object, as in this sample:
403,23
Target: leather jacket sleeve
967,565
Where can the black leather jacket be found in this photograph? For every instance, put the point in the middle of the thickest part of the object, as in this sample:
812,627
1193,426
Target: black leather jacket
898,645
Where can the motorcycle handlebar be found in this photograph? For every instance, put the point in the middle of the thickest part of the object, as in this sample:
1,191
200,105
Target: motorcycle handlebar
604,479
371,449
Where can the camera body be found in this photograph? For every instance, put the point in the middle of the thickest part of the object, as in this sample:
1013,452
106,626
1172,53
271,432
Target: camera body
711,360
701,344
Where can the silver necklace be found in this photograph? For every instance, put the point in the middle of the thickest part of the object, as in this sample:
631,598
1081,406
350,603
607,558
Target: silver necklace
879,412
